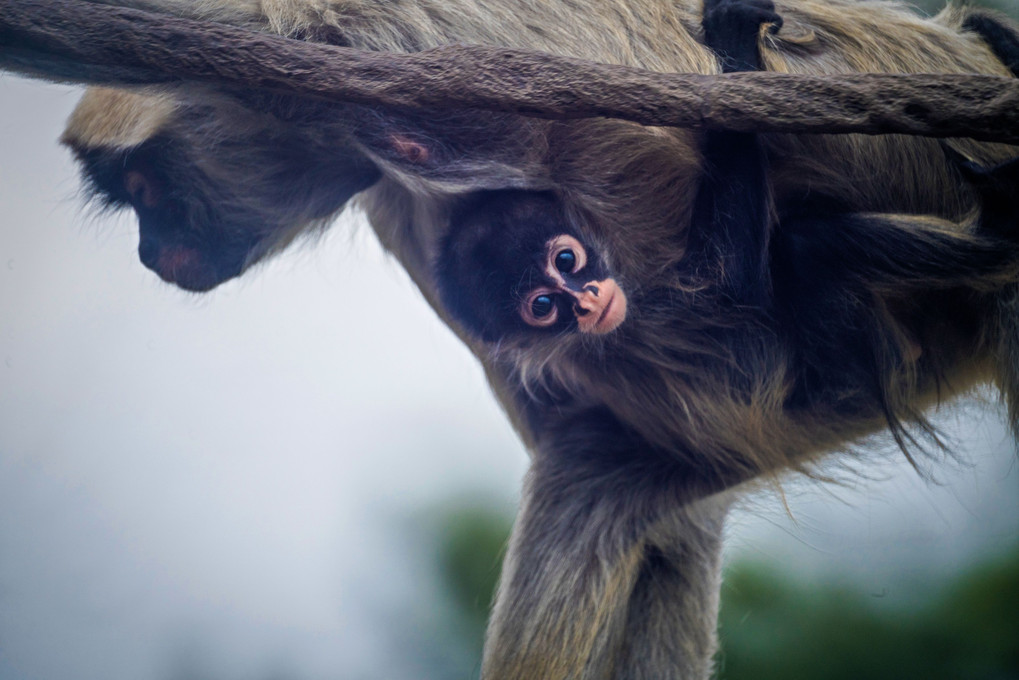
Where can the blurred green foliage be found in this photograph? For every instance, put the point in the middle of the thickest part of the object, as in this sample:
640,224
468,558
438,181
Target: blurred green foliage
774,628
966,630
472,544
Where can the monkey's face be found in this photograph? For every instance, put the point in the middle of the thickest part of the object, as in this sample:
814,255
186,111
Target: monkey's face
511,265
216,185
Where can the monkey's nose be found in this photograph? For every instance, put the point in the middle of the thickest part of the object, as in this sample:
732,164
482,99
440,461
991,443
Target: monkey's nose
586,300
600,307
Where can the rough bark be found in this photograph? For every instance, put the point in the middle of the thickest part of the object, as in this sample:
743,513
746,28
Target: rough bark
78,41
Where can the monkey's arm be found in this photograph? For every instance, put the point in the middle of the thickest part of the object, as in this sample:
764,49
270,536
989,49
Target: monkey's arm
731,222
729,230
608,575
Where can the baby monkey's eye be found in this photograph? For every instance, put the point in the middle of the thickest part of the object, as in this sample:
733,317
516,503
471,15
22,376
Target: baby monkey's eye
539,308
542,306
565,255
565,261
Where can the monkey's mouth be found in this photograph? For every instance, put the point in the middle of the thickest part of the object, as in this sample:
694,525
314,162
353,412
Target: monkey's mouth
194,264
613,315
610,314
183,266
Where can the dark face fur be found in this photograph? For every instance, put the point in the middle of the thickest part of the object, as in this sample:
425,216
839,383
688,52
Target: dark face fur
215,193
512,264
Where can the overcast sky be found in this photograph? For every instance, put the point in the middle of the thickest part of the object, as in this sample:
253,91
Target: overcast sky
231,477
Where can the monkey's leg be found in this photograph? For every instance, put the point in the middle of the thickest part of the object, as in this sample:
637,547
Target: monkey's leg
730,228
244,13
607,576
672,612
729,231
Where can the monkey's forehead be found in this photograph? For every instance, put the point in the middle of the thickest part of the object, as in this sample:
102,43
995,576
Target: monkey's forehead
116,119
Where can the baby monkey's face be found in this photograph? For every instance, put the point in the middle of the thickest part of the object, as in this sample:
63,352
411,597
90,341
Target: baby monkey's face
513,264
574,283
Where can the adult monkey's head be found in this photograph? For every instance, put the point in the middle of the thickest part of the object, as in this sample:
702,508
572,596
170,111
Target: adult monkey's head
217,185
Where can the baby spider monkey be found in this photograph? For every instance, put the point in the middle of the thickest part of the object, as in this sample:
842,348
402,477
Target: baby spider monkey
535,271
767,337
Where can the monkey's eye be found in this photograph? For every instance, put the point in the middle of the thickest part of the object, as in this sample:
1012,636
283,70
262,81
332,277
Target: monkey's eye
565,256
542,306
539,309
565,261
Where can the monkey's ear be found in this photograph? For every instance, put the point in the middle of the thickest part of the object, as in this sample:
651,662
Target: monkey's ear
410,149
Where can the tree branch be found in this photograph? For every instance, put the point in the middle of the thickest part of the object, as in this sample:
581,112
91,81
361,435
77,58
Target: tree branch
73,40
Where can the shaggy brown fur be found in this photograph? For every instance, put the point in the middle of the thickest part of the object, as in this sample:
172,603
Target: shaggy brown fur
610,574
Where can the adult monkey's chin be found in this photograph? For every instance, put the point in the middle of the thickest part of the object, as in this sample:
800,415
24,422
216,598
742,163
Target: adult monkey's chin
187,267
195,257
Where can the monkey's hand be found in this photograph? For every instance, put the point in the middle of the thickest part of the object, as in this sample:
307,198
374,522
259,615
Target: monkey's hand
732,29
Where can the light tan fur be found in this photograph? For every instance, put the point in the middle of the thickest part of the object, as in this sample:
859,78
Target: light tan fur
116,118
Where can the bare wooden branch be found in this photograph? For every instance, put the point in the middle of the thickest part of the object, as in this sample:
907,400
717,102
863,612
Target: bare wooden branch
73,40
